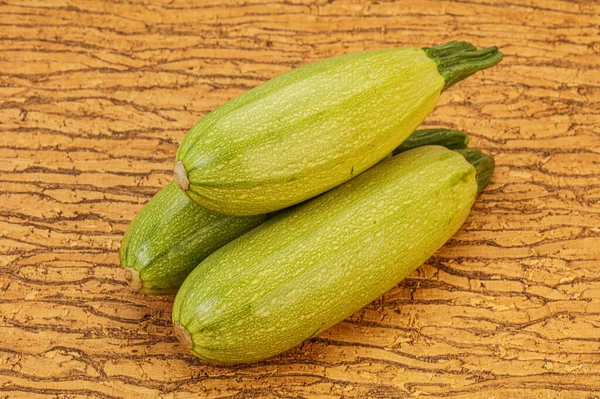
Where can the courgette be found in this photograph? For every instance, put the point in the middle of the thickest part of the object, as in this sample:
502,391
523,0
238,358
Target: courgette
172,234
306,269
310,129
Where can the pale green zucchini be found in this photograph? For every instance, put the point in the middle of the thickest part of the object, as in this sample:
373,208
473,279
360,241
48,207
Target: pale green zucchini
306,269
317,126
172,234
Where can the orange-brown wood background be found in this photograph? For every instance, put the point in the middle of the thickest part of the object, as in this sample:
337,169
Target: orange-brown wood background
95,97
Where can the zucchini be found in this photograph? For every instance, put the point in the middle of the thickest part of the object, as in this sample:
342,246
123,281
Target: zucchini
306,269
315,127
172,234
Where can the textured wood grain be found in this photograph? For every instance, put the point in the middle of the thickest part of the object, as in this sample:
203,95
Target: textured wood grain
94,99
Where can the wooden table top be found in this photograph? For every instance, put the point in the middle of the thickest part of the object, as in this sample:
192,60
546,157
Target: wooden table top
95,98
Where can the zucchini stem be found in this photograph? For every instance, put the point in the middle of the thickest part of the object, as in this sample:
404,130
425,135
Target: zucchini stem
459,60
451,139
484,165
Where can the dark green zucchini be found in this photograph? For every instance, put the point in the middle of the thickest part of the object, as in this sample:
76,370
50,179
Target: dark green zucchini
171,235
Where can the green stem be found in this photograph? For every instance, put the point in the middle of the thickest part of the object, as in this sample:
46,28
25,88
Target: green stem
451,139
459,60
443,50
484,165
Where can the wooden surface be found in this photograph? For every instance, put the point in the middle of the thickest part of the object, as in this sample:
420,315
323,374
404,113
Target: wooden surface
94,99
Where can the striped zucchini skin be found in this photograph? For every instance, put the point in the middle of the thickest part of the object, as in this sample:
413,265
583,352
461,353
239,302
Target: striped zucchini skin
307,269
307,131
171,235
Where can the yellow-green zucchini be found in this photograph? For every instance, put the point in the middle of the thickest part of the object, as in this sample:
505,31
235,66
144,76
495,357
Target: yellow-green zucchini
317,126
306,269
172,234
